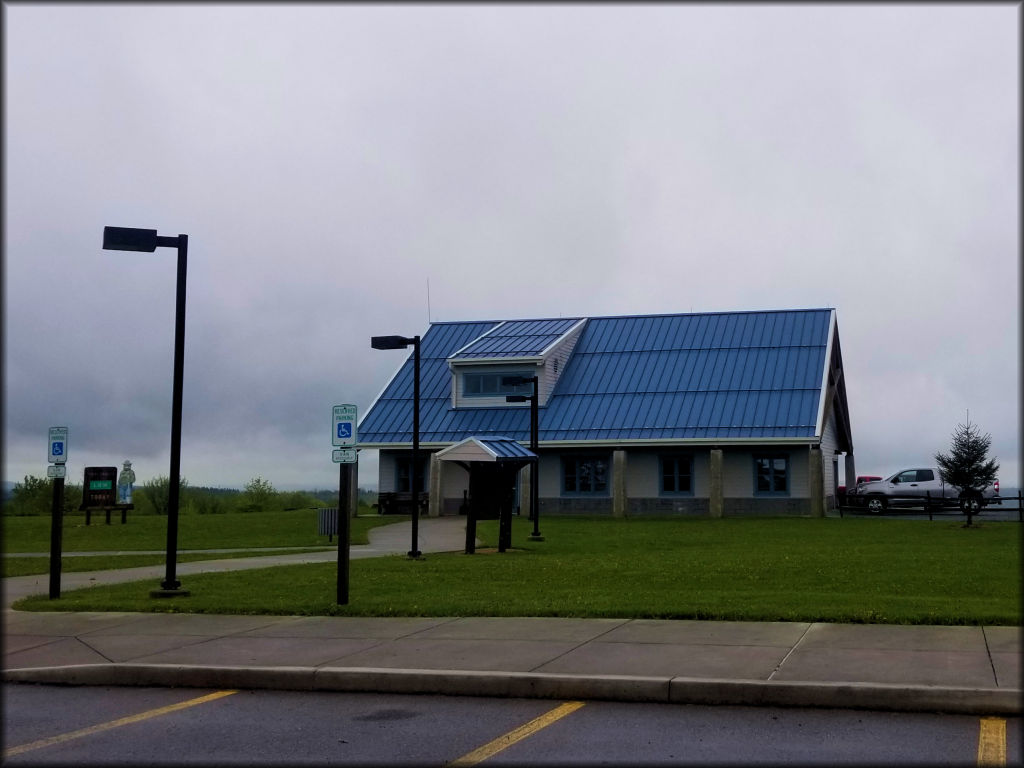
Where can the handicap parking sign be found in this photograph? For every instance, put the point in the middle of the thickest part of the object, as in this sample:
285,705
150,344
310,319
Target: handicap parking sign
58,445
343,433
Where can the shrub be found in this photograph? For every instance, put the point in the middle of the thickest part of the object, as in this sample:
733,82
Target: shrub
259,495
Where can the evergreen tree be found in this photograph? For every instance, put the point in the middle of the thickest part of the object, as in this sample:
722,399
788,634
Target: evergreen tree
967,466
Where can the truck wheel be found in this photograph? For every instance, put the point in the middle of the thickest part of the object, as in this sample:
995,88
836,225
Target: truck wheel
876,505
970,504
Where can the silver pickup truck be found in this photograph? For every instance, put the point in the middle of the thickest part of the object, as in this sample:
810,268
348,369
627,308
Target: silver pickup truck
919,487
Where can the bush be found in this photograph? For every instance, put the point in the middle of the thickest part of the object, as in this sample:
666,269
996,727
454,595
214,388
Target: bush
72,498
297,500
259,495
155,495
204,503
34,496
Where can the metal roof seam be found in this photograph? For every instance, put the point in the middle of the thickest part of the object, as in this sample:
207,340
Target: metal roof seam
638,350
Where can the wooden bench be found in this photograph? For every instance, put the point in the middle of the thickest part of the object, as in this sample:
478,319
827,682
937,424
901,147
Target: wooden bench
399,503
123,508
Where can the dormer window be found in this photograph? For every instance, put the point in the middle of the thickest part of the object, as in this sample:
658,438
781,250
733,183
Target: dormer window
512,349
490,384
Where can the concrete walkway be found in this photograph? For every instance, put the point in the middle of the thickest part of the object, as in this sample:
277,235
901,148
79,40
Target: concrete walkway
972,670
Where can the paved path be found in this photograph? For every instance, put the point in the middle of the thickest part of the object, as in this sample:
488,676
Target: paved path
915,668
446,534
108,552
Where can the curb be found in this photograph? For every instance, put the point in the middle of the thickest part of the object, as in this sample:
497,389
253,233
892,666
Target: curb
538,685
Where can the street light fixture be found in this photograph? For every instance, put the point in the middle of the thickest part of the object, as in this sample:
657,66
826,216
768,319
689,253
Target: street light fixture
147,240
534,439
401,342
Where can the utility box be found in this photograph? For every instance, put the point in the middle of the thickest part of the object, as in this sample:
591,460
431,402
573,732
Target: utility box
99,488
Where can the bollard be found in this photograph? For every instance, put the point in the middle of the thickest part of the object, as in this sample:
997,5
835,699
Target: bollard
470,525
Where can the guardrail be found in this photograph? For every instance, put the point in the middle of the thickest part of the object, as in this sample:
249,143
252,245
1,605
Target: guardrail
925,505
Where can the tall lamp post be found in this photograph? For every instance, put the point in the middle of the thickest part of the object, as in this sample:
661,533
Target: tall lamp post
535,476
401,342
131,239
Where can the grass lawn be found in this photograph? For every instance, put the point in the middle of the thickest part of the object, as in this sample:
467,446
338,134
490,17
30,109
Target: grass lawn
295,528
852,570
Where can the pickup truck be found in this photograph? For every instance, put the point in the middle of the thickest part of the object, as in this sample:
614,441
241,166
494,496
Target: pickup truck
919,487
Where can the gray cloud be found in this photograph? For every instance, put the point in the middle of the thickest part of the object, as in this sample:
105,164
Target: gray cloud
328,161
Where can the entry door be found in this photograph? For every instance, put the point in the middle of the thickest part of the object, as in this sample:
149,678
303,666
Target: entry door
492,487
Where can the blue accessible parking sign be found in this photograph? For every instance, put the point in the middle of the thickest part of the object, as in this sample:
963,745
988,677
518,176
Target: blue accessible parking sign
58,445
343,433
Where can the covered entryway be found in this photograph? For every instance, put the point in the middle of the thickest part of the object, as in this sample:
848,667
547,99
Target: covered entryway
493,464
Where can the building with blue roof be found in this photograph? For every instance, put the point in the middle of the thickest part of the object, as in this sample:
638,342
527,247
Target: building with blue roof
724,413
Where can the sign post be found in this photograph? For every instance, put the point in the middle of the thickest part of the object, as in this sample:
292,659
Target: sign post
343,437
58,456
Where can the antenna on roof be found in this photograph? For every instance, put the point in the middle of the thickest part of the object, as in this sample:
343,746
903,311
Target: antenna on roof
428,301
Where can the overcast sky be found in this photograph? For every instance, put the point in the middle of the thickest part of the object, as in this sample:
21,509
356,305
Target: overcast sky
329,161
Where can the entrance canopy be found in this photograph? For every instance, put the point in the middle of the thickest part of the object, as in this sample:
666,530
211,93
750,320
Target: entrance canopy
503,450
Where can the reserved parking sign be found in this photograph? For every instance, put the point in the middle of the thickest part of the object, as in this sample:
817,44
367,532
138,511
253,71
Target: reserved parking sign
58,439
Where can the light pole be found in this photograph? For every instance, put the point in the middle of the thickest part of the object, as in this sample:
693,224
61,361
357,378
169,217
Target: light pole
534,439
131,239
401,342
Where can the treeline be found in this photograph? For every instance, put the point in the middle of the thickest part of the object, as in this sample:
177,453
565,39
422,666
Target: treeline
34,496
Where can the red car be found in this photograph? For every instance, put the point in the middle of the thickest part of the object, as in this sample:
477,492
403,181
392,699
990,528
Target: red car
852,493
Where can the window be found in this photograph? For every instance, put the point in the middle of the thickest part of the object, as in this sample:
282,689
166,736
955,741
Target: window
585,474
771,475
925,475
489,384
910,476
403,468
677,474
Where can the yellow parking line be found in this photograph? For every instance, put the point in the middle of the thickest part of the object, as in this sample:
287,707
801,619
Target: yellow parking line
992,741
114,724
520,733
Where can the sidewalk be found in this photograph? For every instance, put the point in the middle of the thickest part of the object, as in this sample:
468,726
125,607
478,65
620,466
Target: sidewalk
972,670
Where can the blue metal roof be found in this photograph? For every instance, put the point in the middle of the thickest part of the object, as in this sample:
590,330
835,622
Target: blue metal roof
505,449
517,338
654,377
496,449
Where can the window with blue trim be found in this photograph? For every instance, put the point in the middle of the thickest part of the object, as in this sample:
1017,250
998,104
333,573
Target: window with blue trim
771,475
583,475
489,384
677,474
